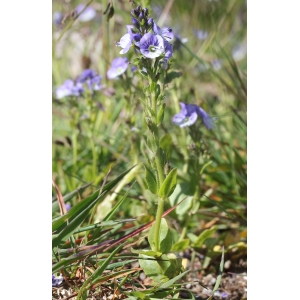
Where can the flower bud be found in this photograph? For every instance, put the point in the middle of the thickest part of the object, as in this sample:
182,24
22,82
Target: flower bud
146,11
136,12
135,23
149,23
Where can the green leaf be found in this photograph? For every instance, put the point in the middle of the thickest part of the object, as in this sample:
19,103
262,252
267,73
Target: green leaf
76,222
162,269
150,124
181,191
165,237
172,75
147,252
204,236
144,74
116,206
181,245
76,209
151,267
173,280
150,180
192,237
149,111
218,281
69,196
79,256
77,214
160,115
103,266
157,91
166,144
151,143
169,184
138,295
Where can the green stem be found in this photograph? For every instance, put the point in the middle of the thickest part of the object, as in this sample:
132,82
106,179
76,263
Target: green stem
160,170
69,25
158,160
160,210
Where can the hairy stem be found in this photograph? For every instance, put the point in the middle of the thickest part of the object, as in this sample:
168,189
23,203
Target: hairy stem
159,169
159,212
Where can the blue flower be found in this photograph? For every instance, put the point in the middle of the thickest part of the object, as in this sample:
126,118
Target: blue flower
133,68
69,88
127,40
201,34
57,18
166,32
189,114
57,280
224,295
151,46
216,64
87,15
91,79
118,66
168,53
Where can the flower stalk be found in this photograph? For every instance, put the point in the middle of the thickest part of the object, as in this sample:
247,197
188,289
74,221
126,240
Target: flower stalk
152,43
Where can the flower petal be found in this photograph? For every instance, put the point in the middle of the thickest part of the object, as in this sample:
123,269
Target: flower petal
207,120
186,120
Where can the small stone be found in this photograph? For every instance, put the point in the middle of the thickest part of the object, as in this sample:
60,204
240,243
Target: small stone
227,264
142,276
188,286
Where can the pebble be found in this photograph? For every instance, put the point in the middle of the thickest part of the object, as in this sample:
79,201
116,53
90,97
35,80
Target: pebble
142,276
188,286
227,264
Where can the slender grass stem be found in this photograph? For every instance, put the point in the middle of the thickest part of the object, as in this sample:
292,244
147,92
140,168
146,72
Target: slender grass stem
72,22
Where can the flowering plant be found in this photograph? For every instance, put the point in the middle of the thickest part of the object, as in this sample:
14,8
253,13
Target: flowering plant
154,50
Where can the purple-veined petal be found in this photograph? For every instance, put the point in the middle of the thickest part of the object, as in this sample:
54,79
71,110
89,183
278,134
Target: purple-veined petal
184,120
151,46
189,114
167,33
207,120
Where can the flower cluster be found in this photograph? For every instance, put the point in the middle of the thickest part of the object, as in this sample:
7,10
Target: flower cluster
147,37
88,78
189,114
